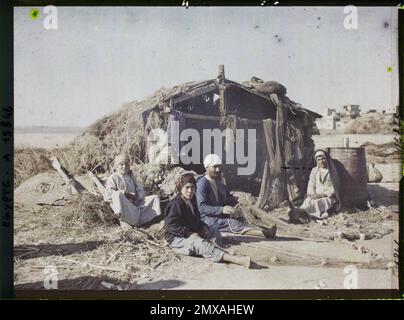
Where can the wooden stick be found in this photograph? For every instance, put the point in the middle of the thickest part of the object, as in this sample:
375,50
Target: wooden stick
97,182
216,118
49,204
70,181
87,264
53,203
146,233
59,266
230,252
261,213
58,167
114,255
32,250
279,250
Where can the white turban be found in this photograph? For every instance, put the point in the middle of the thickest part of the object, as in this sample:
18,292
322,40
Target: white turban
319,153
212,160
123,157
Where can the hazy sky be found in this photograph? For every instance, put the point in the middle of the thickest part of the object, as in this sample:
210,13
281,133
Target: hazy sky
100,58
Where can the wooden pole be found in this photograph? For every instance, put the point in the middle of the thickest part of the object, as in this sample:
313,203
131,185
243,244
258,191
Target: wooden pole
75,186
97,182
220,74
261,214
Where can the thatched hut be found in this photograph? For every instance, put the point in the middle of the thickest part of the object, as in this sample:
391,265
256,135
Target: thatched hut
283,129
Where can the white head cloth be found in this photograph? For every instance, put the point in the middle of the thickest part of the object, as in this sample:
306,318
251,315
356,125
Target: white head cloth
212,160
123,157
319,153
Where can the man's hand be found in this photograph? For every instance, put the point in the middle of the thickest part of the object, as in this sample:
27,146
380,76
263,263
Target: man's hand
316,196
118,218
193,235
132,197
188,233
205,233
229,210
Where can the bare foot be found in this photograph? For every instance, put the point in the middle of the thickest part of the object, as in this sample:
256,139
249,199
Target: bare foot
270,232
247,263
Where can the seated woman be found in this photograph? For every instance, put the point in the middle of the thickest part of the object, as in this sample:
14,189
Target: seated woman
186,233
127,197
323,190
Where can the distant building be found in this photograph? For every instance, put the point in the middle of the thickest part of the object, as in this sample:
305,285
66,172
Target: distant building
351,111
339,125
371,111
327,123
333,120
391,110
330,111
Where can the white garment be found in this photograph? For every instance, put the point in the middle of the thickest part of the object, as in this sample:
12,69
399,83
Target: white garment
148,208
319,182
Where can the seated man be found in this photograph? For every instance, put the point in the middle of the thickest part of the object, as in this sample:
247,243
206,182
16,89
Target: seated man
127,197
323,190
217,206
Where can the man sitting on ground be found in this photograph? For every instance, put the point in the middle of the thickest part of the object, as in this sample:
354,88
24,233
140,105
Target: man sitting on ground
217,206
126,196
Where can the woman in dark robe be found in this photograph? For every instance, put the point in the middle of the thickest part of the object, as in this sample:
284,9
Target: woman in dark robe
187,234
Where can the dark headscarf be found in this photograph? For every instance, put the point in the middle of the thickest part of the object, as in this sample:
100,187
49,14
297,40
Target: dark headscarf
183,180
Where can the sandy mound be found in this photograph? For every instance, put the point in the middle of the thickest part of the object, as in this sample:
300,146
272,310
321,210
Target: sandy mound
28,162
379,153
371,123
45,188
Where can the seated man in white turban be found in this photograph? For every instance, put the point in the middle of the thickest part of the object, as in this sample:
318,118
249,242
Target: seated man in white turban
127,197
323,190
217,206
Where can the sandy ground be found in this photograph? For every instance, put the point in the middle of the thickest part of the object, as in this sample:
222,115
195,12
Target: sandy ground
355,140
93,257
300,264
300,258
341,260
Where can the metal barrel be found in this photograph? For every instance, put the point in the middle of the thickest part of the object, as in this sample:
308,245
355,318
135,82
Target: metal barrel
353,170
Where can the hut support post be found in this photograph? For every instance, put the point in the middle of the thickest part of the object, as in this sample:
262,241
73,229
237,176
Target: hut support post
222,101
222,109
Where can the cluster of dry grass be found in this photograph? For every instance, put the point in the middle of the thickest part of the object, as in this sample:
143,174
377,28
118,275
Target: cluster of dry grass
95,149
28,162
82,240
88,209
